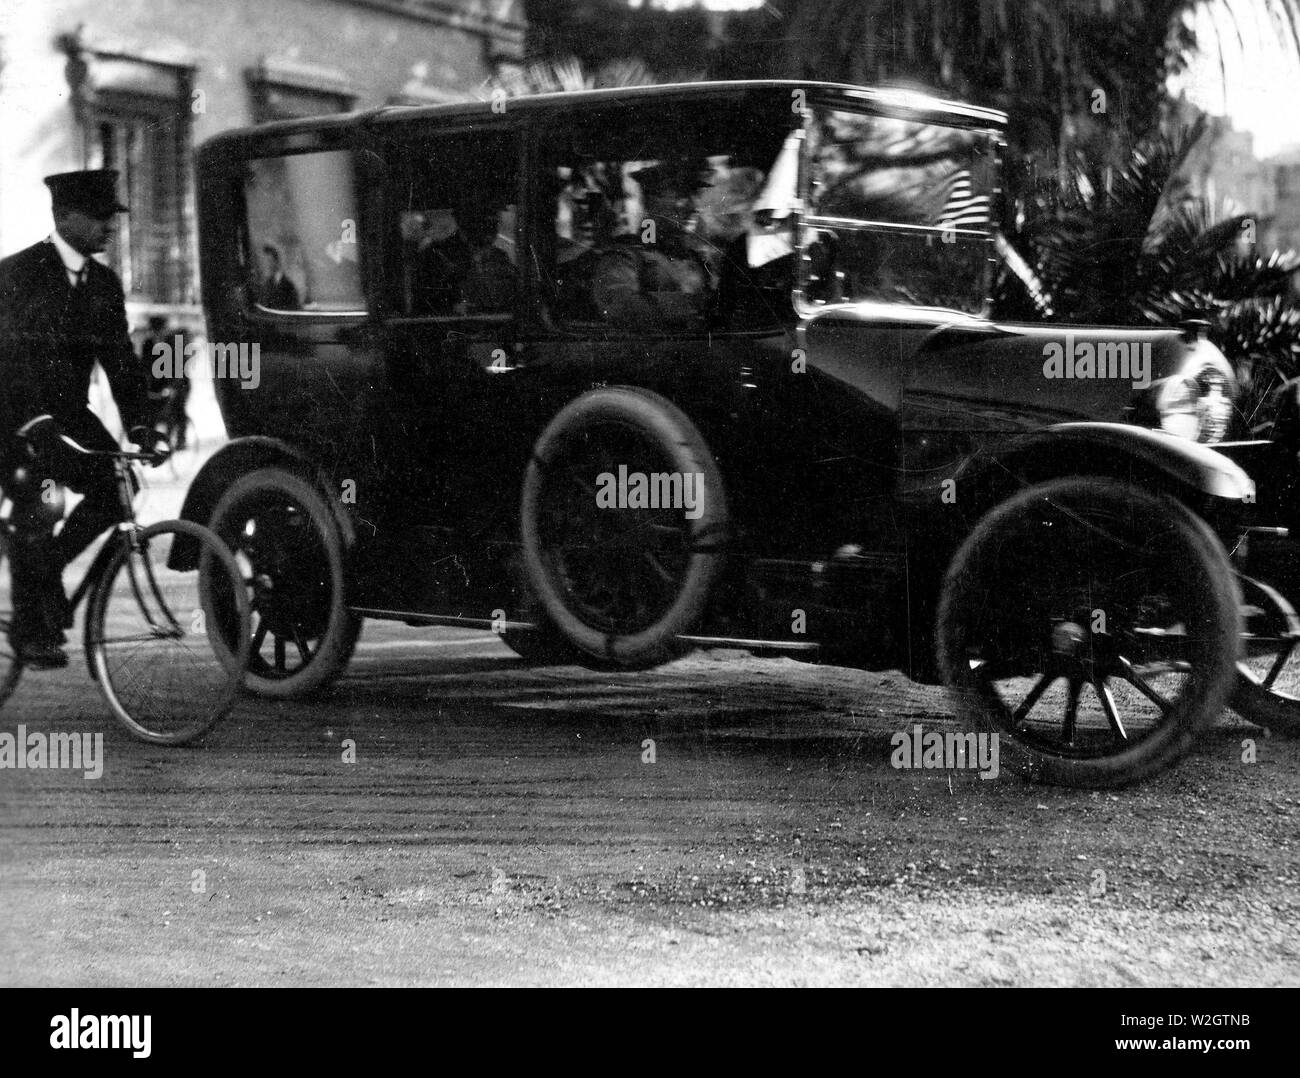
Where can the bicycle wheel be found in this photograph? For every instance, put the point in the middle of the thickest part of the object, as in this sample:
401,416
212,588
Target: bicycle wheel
10,668
166,678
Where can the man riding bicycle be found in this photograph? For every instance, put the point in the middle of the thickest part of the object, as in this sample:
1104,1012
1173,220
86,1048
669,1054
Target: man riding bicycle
60,313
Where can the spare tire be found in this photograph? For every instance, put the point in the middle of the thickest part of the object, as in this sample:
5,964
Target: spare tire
623,524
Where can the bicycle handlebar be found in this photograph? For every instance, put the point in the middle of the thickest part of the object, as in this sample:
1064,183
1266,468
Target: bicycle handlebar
146,456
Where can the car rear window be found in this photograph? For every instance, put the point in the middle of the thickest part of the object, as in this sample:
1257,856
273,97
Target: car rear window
303,232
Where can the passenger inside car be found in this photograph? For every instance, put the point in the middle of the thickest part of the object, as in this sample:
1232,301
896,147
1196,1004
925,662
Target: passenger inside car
655,276
437,261
458,261
673,223
489,285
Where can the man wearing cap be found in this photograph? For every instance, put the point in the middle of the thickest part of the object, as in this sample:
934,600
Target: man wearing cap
60,313
654,280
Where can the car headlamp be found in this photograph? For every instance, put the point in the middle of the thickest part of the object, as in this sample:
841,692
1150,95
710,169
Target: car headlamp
1197,404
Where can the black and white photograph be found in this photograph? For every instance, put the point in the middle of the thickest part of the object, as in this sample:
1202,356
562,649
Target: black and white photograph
651,493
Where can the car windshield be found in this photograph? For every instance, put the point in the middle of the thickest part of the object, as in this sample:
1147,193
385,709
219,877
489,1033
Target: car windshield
899,211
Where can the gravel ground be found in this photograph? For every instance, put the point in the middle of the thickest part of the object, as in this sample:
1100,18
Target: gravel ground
500,825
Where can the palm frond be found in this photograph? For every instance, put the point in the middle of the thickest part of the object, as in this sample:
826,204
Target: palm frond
565,74
1262,339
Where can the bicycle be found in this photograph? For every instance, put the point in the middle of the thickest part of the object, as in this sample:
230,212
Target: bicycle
150,604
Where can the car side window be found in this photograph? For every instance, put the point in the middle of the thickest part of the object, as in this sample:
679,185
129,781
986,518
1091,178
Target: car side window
628,252
302,233
662,224
455,216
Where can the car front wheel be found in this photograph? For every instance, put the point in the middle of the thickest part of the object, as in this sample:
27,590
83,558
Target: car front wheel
1094,626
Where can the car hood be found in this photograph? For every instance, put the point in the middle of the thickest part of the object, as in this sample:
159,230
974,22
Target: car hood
973,373
1053,372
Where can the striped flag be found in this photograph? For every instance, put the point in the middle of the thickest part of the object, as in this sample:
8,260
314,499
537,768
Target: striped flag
962,208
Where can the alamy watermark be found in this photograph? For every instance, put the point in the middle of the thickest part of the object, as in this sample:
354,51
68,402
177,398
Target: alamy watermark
37,751
932,750
1098,359
657,490
77,1030
242,362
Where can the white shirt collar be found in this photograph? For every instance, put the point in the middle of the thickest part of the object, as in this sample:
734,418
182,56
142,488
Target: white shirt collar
73,260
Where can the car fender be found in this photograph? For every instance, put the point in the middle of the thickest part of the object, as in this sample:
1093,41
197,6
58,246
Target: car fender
1195,473
1201,478
239,457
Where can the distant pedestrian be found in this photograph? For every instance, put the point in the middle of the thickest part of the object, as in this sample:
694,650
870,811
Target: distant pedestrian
169,383
277,293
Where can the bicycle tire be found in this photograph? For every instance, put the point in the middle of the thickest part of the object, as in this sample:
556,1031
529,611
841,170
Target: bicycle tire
167,680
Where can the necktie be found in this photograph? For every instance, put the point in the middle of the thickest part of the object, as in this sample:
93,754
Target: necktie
79,278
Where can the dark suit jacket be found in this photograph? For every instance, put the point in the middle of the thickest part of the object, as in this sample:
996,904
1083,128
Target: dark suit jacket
51,338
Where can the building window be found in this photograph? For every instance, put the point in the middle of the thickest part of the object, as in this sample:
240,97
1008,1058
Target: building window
134,115
150,251
283,89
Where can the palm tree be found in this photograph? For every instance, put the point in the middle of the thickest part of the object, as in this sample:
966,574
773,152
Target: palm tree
1071,73
1130,246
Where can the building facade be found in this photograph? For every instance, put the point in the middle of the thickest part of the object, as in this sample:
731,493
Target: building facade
1223,169
136,85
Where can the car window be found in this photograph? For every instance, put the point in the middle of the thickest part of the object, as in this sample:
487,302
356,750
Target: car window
899,212
455,216
302,233
669,231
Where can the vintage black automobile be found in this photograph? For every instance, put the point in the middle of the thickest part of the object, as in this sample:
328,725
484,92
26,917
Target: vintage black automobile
623,372
1267,556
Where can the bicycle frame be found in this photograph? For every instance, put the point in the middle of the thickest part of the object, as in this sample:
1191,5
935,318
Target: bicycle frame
130,528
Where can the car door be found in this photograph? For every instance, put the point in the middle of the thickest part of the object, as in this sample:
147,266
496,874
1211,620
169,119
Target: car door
450,294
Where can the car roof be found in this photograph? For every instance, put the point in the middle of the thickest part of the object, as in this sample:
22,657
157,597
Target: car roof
891,100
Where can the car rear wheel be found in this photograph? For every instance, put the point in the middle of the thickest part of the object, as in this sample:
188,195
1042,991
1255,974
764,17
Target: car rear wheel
292,552
1094,626
623,527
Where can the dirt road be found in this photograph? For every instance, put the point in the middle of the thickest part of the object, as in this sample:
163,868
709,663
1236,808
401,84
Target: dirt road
503,825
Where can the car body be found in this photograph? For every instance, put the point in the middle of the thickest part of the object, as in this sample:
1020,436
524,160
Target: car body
808,326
